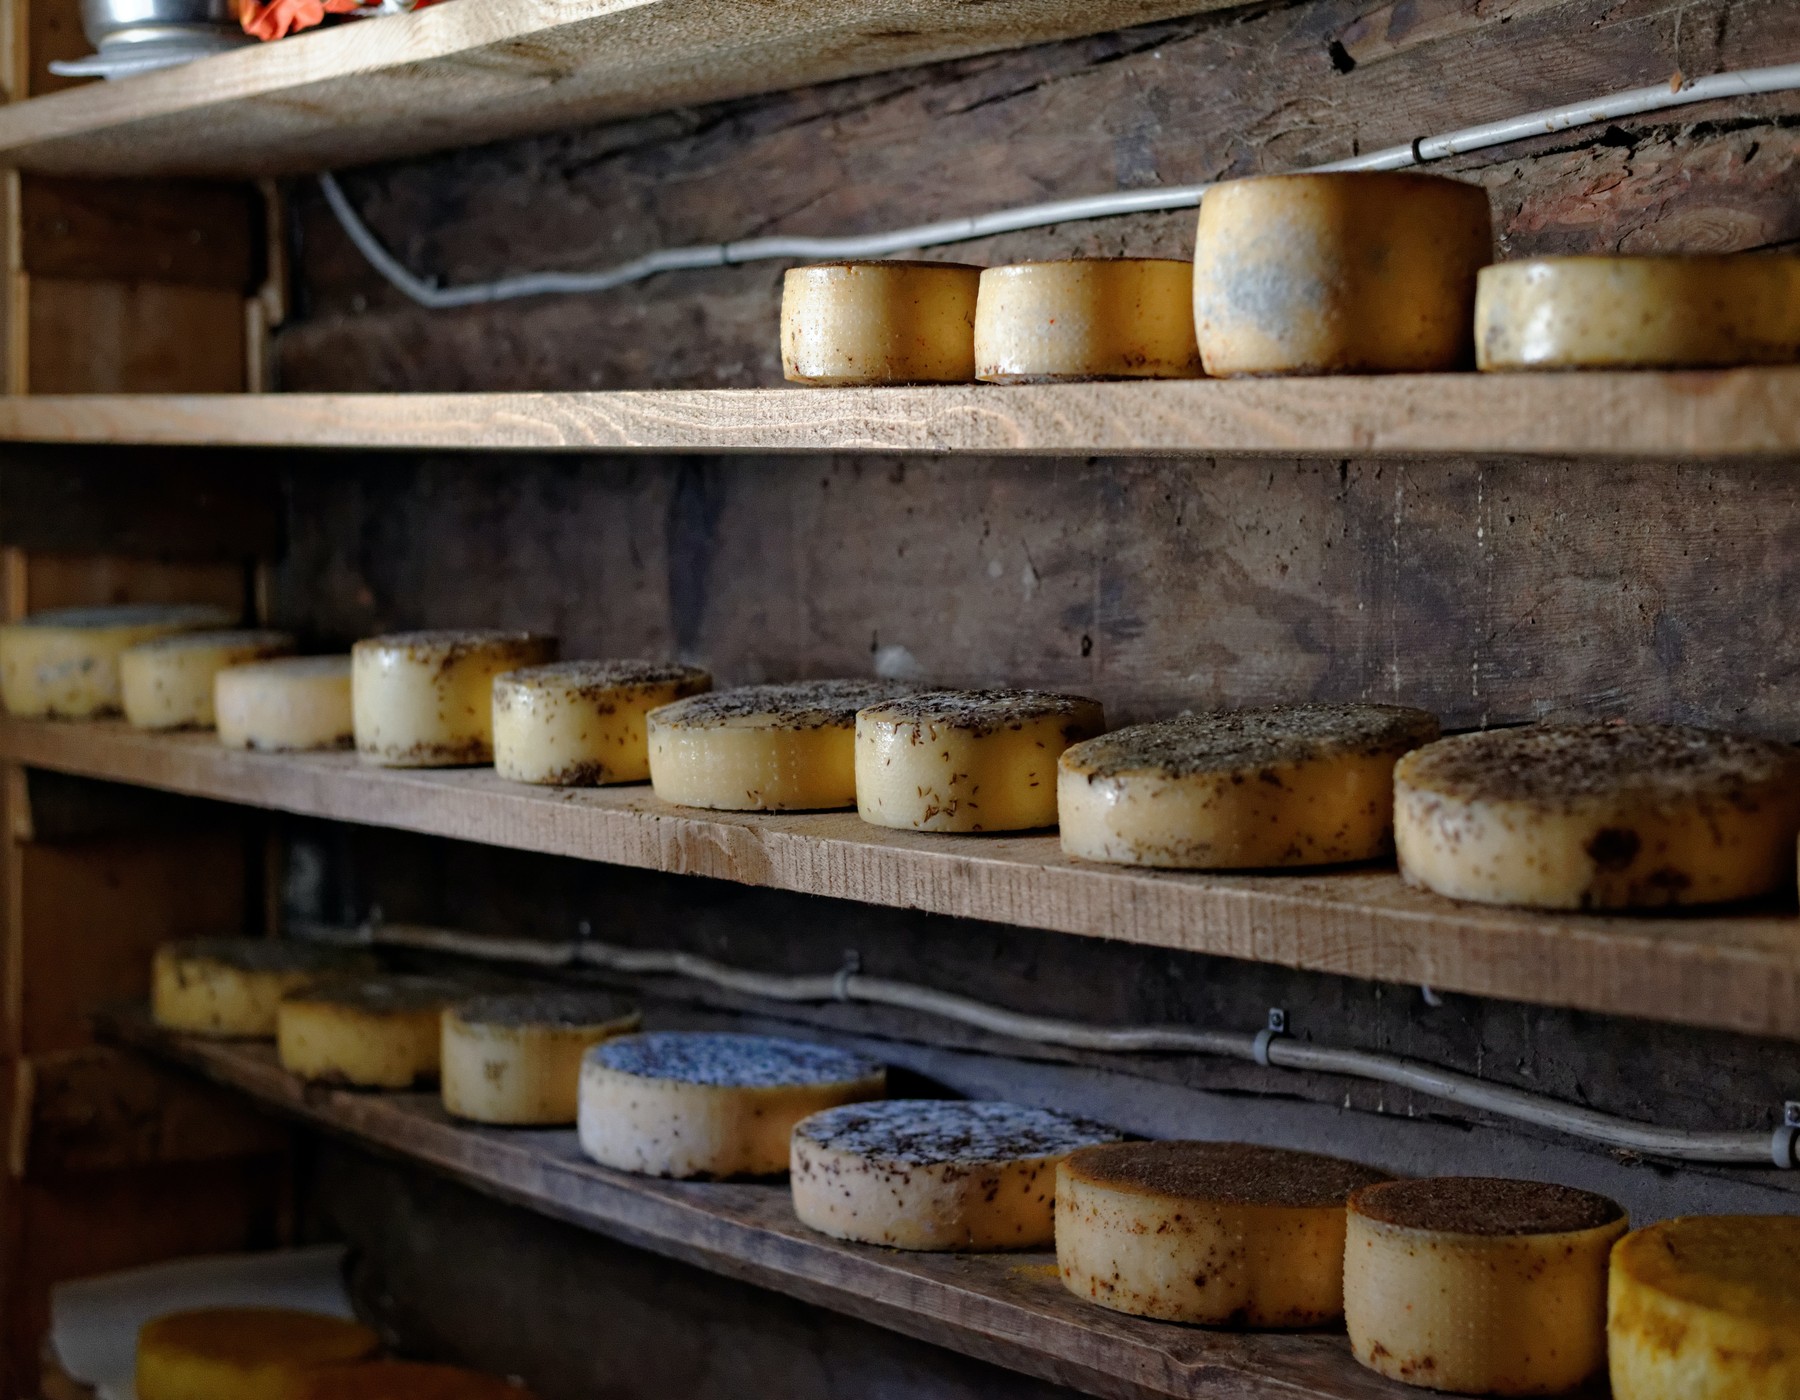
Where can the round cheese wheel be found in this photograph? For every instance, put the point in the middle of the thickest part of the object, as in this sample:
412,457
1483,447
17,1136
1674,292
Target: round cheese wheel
64,664
168,683
879,323
516,1057
1086,318
1346,273
366,1032
297,702
1706,1308
938,1174
241,1353
1299,785
689,1104
580,723
404,1380
1638,312
1219,1233
232,987
967,760
1598,816
1479,1285
426,699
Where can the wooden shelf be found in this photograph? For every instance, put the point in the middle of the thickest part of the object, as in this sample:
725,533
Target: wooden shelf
1736,971
1006,1308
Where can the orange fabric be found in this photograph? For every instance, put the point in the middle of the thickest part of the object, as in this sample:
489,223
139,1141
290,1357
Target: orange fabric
276,19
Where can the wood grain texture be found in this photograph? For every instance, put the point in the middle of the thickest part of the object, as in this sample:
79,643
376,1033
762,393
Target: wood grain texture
1735,971
118,337
181,232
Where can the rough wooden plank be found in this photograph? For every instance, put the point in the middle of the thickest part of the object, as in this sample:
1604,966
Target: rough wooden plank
100,337
180,232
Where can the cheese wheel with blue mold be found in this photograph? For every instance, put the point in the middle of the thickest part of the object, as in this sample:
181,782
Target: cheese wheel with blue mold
64,663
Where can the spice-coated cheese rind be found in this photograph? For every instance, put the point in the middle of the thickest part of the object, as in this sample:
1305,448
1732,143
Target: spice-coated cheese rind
168,683
232,987
64,663
582,723
887,322
426,699
367,1032
516,1058
1086,318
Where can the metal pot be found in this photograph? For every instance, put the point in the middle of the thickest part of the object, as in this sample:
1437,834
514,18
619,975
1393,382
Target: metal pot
109,23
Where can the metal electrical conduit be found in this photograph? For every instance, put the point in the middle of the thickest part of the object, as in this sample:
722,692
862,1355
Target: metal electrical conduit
1266,1047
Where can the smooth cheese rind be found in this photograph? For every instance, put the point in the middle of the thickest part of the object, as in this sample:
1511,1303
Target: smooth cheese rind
64,664
295,703
1343,273
405,1380
232,988
1638,312
168,683
581,723
366,1032
879,323
516,1059
1294,786
967,760
1706,1308
426,699
1598,816
1086,318
935,1174
1220,1234
242,1353
694,1104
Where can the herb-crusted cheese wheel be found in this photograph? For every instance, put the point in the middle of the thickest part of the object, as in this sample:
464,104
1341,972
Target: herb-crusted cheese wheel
935,1173
1086,318
426,699
242,1353
1479,1284
581,723
879,323
763,747
64,664
1706,1308
967,760
168,683
516,1057
297,702
689,1104
1300,785
1638,312
1348,273
404,1380
232,987
367,1032
1218,1233
1598,816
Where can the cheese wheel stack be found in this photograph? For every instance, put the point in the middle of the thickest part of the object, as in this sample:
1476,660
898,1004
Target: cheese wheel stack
1479,1284
581,723
879,323
936,1174
1086,318
1217,1233
232,987
1299,785
515,1058
64,664
692,1104
366,1032
426,699
404,1380
242,1353
297,702
167,683
1598,816
967,760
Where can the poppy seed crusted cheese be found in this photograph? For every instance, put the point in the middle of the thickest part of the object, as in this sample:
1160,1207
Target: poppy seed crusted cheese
232,987
515,1058
426,699
367,1032
582,723
64,663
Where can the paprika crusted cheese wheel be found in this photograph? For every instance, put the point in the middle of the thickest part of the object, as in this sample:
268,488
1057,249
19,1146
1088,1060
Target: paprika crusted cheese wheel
367,1032
1598,816
688,1104
1706,1308
297,702
935,1173
516,1057
232,987
404,1380
64,664
1299,785
879,323
1638,312
426,699
1343,273
1479,1284
967,760
1086,318
580,723
1218,1233
168,683
242,1353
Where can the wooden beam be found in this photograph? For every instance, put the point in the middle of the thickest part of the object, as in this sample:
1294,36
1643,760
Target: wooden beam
185,232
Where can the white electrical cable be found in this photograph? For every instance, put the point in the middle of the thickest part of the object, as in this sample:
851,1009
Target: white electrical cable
1635,102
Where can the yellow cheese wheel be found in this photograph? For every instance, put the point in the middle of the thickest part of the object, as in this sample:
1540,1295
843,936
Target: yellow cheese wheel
232,987
879,323
515,1058
366,1032
168,683
1086,318
1346,273
426,699
242,1353
1638,312
64,664
296,702
579,723
404,1380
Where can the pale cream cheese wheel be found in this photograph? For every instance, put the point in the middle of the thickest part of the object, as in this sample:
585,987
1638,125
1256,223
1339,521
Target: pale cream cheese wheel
242,1353
711,1104
167,683
64,663
1598,816
293,703
1670,312
1479,1285
762,748
937,1174
1086,318
232,987
1225,1234
1342,273
381,1032
1291,786
879,323
967,760
515,1058
426,699
581,723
